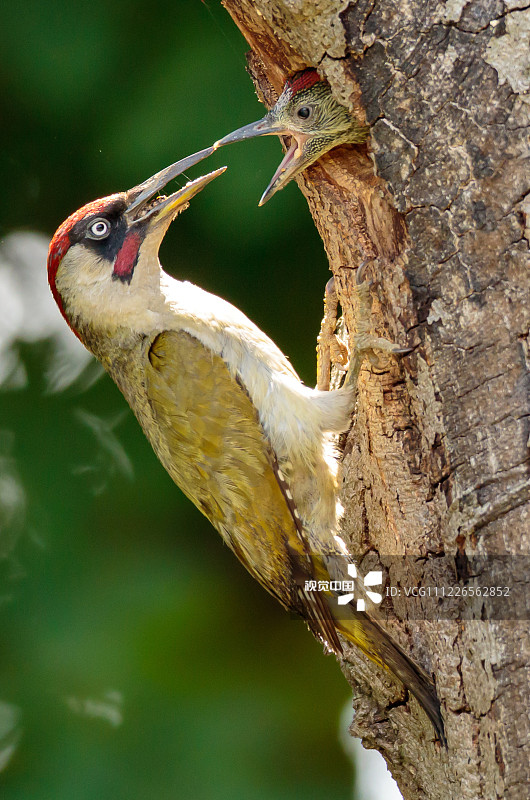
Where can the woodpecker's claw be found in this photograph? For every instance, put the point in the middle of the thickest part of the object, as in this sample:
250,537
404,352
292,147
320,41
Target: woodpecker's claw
365,344
329,290
361,271
330,350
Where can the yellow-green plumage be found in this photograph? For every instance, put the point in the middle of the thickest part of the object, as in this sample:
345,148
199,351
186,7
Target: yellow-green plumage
216,451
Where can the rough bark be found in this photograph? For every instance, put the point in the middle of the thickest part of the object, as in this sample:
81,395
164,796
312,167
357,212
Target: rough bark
436,464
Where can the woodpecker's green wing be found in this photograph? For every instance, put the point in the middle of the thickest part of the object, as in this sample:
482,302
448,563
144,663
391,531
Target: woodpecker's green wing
211,442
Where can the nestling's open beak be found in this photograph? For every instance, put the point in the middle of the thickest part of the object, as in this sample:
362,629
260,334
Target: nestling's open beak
144,204
294,161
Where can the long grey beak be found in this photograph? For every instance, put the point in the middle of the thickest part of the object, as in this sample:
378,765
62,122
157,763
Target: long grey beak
141,194
263,127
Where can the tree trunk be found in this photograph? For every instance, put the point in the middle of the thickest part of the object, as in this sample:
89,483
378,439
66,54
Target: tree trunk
436,464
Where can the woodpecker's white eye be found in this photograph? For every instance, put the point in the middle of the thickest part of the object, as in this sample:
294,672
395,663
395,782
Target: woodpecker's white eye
304,112
99,229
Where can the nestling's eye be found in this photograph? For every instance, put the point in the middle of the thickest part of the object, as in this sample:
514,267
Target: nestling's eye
304,112
98,229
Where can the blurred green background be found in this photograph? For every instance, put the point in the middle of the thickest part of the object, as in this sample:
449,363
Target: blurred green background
137,658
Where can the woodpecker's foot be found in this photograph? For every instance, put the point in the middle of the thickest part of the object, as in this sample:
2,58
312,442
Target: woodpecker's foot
365,345
330,350
361,273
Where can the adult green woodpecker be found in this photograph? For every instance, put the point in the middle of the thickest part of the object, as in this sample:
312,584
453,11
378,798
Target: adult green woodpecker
224,410
307,112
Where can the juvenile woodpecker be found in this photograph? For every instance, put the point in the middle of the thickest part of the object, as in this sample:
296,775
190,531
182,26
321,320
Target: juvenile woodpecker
223,408
307,112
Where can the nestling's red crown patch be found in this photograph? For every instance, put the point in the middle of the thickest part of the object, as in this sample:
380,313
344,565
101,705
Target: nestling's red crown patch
302,80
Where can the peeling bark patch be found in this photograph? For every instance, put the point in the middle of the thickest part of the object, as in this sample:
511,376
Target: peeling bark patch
510,54
453,10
